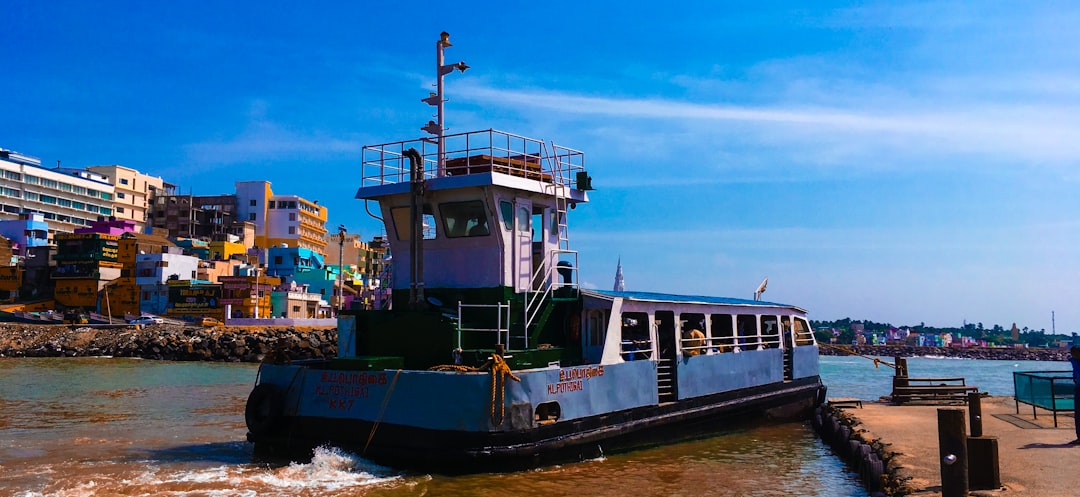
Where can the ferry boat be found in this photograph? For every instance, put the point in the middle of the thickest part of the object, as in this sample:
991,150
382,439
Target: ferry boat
491,356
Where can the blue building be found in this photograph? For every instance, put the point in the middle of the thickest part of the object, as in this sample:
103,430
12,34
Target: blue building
302,266
30,230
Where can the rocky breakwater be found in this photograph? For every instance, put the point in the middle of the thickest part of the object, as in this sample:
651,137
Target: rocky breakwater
1002,353
168,342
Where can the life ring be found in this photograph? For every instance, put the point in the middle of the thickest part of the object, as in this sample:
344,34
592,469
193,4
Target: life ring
264,408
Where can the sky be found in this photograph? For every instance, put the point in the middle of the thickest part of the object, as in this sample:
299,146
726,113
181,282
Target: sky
902,162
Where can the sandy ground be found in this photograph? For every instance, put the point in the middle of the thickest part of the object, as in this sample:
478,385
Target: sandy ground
1035,457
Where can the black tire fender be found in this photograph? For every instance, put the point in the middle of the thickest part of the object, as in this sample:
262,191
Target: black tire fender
264,409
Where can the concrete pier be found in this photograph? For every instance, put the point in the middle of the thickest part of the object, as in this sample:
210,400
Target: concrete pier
1036,459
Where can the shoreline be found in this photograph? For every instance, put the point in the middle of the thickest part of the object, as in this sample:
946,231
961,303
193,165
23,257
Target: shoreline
254,343
985,353
167,342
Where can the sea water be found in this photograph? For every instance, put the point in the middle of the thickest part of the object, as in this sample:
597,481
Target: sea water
103,426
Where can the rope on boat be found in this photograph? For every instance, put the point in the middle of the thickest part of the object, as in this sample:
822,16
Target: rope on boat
382,410
876,360
454,367
499,371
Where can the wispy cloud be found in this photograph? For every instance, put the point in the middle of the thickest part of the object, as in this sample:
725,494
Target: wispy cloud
1016,131
264,140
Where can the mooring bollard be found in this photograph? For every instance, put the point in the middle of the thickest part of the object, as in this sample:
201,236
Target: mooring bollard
952,448
984,472
974,402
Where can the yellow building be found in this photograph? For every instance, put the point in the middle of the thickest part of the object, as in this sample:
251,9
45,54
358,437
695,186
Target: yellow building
281,219
223,251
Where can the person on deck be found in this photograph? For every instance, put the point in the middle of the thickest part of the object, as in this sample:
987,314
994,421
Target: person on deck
1074,359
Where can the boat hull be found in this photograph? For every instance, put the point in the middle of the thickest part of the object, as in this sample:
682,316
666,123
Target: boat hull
451,451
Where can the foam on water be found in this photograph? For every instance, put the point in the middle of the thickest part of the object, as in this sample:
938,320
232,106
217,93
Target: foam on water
330,469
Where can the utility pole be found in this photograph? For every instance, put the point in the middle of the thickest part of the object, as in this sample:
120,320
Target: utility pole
340,265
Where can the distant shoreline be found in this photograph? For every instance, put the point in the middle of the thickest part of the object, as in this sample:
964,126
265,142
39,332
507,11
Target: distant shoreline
989,353
168,342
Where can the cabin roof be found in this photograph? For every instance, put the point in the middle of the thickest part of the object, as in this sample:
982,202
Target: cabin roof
682,299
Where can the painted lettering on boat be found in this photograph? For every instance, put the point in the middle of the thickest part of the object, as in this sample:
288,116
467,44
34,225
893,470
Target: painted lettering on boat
340,389
573,379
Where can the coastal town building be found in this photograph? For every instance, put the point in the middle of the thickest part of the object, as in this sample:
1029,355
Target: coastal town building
155,271
192,300
66,198
133,192
194,216
281,219
85,262
29,230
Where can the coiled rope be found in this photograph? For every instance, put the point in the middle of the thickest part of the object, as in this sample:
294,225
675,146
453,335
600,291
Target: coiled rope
499,372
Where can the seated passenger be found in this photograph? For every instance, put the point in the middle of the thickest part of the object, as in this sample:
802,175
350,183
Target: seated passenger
693,340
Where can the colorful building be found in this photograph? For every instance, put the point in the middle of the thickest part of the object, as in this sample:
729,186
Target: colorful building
248,295
194,299
281,219
29,230
156,271
85,262
133,192
66,198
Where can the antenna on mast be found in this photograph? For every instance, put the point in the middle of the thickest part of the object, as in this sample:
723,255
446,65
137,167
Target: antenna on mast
438,127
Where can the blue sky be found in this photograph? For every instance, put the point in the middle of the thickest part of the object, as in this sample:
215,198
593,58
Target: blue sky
895,161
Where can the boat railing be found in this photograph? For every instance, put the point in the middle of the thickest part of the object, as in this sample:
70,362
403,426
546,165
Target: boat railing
803,338
473,152
635,350
502,321
722,344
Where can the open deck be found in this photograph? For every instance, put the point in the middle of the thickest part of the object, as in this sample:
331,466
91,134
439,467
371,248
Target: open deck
476,152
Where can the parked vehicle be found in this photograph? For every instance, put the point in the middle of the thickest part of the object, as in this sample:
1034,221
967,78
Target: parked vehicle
146,320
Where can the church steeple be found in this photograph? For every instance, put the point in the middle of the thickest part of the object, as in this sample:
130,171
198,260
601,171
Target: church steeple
620,285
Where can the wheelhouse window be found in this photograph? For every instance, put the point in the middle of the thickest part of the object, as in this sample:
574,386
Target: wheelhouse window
401,222
464,219
507,210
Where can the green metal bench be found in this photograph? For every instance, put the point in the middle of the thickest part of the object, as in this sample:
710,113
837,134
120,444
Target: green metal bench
1049,390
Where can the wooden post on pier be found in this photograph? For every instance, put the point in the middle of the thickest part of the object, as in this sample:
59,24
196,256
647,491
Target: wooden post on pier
984,472
953,453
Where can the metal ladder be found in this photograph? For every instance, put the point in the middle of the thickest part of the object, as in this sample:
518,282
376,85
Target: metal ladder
542,279
665,380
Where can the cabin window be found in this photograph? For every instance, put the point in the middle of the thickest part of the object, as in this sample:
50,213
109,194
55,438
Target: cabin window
462,219
770,331
507,210
723,332
636,343
538,220
748,332
692,333
401,222
523,218
804,335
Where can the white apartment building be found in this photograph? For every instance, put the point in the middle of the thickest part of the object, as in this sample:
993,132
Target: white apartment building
134,192
66,198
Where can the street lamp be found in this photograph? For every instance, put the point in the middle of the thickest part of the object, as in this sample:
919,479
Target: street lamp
340,262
